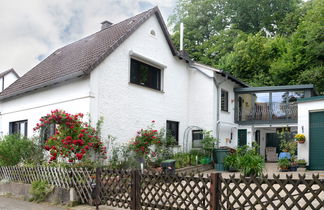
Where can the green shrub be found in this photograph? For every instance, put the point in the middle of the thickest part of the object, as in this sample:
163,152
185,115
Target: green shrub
231,161
251,164
246,160
15,149
40,190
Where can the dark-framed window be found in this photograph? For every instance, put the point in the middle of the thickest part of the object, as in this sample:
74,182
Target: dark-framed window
224,100
145,74
197,136
18,127
172,128
47,131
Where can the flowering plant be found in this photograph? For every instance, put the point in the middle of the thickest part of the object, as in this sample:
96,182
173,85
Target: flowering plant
300,138
73,139
144,139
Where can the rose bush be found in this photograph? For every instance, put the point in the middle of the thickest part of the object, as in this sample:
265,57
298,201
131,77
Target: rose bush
73,139
144,139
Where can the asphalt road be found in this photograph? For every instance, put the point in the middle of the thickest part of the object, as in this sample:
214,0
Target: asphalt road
15,204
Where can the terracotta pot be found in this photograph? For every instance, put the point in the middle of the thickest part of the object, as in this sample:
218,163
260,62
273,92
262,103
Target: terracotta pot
301,141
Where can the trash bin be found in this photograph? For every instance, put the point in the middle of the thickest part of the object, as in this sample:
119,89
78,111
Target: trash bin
168,167
219,156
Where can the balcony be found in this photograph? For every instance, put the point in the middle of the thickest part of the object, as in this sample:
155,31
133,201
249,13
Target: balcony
265,113
269,105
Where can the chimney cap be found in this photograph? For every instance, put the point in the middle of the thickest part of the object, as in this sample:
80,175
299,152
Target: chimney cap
105,24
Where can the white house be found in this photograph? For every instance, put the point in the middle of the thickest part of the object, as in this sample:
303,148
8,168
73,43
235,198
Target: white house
129,73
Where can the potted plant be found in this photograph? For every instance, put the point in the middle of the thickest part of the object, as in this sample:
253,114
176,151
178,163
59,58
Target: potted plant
284,164
300,138
301,163
293,164
208,144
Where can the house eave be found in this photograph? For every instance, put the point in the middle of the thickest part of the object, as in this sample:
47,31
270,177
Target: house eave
43,85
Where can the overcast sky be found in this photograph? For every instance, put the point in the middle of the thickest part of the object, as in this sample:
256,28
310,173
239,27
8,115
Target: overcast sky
33,29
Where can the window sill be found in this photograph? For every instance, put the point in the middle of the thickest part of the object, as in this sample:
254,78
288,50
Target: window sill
142,86
227,112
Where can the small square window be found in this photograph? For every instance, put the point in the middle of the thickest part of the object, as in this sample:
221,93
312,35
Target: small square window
172,128
197,136
145,75
224,100
18,127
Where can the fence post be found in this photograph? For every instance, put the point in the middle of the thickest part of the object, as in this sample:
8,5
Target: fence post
215,188
96,189
136,190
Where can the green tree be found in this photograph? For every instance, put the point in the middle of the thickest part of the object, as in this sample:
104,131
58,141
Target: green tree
304,54
250,60
204,20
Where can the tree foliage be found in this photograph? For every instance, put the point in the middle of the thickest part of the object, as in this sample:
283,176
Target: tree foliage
262,42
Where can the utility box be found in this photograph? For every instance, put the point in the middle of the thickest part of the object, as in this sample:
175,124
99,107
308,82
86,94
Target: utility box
168,167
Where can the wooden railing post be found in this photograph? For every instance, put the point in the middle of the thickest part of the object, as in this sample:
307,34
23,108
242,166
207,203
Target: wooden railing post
215,187
97,189
136,190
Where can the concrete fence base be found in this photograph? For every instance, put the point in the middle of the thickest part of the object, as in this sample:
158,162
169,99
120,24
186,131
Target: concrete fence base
58,195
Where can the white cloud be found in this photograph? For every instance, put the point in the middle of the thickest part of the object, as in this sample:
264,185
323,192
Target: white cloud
33,29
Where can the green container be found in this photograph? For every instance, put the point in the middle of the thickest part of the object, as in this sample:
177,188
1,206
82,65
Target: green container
219,156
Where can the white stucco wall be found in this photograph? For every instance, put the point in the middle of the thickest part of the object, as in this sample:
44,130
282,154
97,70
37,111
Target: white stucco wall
228,129
128,107
9,79
304,108
71,96
201,105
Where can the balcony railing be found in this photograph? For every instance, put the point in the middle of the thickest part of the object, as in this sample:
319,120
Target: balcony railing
269,113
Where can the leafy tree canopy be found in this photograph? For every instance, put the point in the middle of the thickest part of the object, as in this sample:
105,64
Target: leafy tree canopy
262,42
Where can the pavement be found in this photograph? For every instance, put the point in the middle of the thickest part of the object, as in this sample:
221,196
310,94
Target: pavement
10,203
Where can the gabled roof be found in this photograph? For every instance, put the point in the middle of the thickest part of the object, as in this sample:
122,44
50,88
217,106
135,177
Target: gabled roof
81,57
224,74
2,74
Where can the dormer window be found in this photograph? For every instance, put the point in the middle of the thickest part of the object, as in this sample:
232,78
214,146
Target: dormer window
145,75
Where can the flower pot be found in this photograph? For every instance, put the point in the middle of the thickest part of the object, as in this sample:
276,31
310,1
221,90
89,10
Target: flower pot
284,169
293,168
302,141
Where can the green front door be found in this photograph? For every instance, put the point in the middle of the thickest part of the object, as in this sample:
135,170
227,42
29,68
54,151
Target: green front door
316,140
242,136
272,140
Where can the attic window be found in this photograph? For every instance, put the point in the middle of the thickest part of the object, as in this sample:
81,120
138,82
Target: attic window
152,32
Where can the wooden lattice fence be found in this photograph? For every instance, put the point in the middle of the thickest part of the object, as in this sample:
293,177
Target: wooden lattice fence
271,192
134,190
81,179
